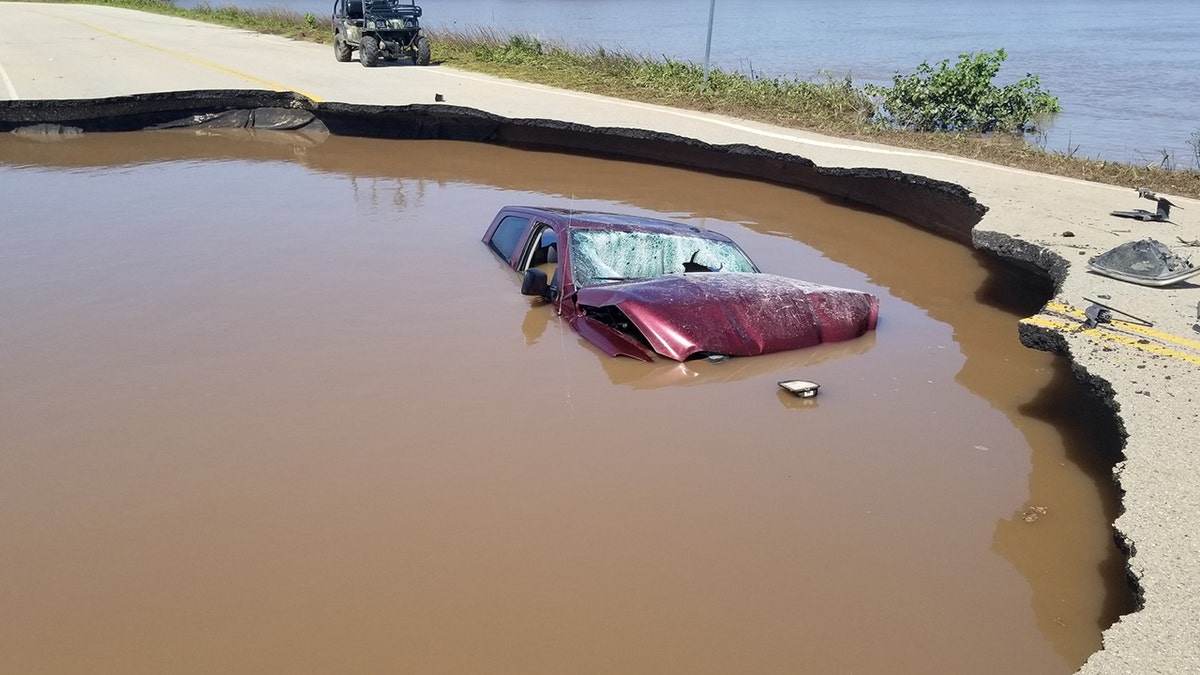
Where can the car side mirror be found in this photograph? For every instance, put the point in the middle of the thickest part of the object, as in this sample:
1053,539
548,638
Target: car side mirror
535,283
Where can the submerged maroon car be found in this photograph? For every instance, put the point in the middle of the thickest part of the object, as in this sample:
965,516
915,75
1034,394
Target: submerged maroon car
637,286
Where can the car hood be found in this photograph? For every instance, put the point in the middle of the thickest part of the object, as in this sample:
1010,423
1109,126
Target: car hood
737,314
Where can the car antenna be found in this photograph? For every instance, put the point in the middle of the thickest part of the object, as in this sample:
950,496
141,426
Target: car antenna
558,300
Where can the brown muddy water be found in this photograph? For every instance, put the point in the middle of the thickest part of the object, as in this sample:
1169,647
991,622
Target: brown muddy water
272,407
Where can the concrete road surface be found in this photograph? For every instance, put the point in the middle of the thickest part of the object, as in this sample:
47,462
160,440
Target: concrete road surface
1151,374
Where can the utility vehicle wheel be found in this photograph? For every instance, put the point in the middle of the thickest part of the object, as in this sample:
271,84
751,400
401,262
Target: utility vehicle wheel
341,50
422,55
368,51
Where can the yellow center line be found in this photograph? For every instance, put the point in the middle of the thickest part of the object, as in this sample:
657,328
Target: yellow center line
198,61
1150,347
1141,344
1132,327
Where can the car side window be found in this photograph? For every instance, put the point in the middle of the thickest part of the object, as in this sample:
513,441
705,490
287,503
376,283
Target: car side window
507,236
541,249
542,254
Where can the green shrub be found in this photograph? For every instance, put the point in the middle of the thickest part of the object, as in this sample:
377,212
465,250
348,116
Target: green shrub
518,49
963,98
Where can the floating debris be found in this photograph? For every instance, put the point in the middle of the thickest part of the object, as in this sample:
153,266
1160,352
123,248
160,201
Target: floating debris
48,132
1032,513
800,388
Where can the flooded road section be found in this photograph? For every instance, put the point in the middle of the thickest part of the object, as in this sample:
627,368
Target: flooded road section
274,408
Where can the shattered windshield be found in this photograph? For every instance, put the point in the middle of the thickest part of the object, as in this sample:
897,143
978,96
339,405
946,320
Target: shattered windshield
598,256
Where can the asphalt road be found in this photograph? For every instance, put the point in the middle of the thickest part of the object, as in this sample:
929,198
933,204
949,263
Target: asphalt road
79,51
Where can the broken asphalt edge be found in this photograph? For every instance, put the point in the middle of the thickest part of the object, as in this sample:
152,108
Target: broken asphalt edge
941,207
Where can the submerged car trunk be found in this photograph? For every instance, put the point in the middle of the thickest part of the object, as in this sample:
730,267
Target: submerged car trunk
737,314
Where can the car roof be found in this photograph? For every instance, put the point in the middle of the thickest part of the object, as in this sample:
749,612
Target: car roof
600,220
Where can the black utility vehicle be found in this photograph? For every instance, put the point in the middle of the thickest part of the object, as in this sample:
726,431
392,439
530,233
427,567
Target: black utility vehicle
387,29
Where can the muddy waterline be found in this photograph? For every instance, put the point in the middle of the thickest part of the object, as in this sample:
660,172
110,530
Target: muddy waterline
272,407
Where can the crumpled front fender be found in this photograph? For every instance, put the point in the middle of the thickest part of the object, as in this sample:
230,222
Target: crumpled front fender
609,340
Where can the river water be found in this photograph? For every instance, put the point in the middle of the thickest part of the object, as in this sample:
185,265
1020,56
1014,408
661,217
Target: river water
271,406
1124,70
